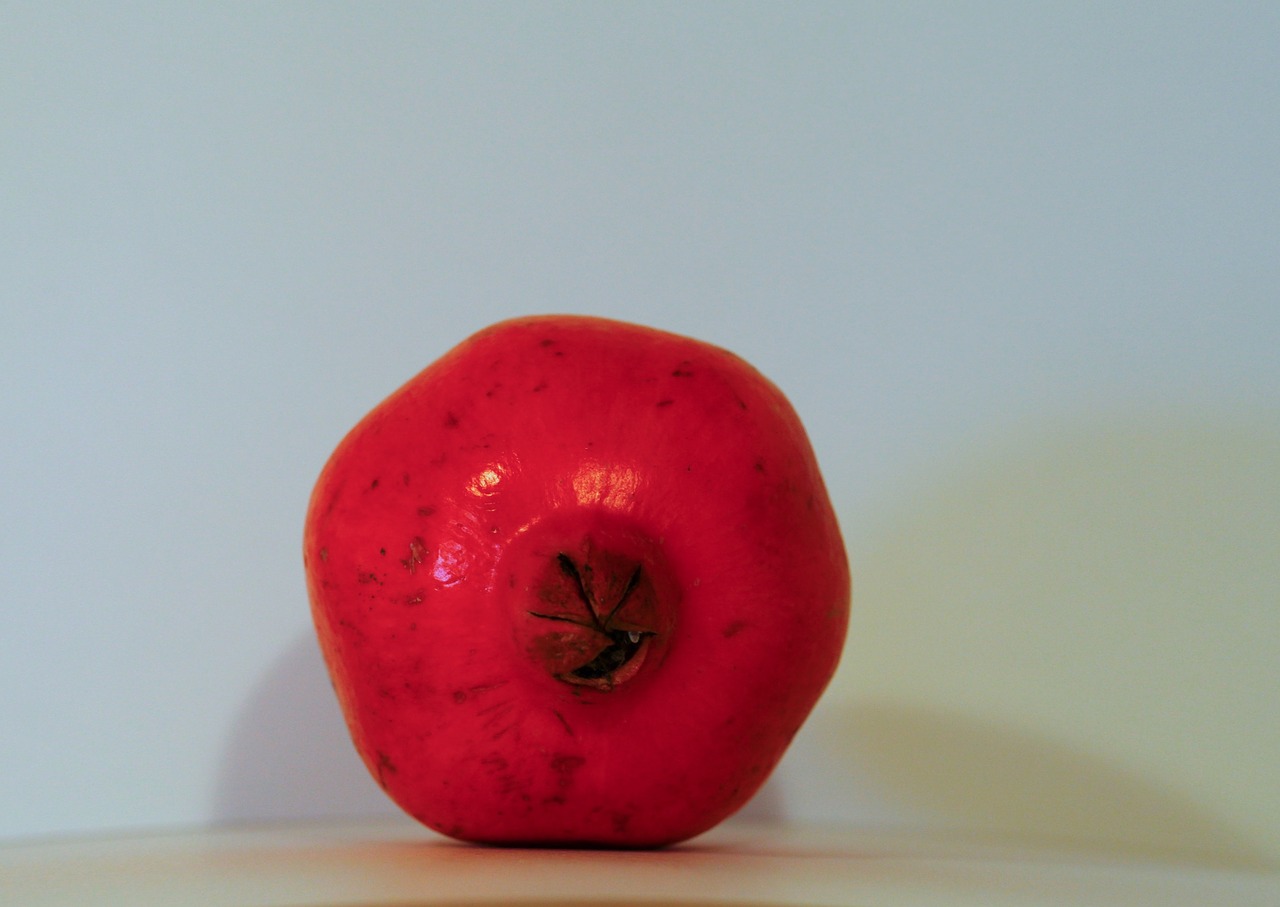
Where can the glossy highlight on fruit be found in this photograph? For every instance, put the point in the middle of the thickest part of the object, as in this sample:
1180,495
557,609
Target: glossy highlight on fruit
578,582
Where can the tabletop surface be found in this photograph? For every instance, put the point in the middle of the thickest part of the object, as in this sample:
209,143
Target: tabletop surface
392,861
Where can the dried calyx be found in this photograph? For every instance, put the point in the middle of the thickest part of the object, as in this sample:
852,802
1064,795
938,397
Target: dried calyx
598,616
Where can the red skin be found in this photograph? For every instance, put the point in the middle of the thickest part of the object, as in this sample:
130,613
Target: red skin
547,462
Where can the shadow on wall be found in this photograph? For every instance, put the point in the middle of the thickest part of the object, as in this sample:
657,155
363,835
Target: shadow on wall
289,755
1074,634
973,776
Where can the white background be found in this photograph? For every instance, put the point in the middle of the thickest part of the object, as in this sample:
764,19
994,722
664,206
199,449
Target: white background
1017,266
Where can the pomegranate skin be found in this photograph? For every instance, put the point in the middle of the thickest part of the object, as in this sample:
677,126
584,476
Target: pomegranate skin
577,583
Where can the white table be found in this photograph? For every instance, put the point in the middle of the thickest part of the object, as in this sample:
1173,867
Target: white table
394,861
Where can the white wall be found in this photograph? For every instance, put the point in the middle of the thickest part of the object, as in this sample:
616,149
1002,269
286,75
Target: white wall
1015,265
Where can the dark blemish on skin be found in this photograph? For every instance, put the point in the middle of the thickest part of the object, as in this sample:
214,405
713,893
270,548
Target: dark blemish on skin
497,709
493,390
683,370
759,465
324,554
733,629
621,821
450,420
373,484
405,478
565,765
351,629
567,729
367,577
666,402
540,387
459,696
502,733
417,554
546,342
486,687
498,717
426,511
385,767
382,551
